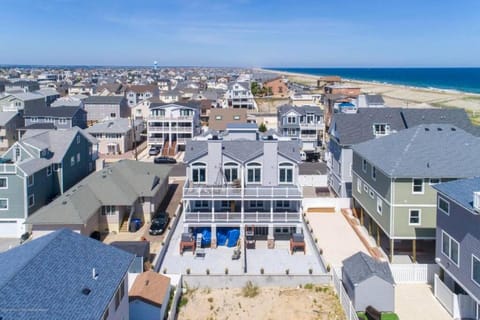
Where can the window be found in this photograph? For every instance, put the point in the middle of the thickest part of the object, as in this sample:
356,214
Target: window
230,170
3,204
225,204
72,161
17,153
236,117
218,117
49,171
372,194
256,204
417,186
364,165
414,217
359,186
282,204
199,172
78,139
381,129
254,172
444,205
108,210
3,183
434,181
374,173
30,181
78,157
286,173
201,204
450,247
291,119
113,115
31,200
379,205
476,270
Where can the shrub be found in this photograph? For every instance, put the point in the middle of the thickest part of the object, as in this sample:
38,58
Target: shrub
250,290
188,270
389,316
308,286
210,299
183,302
328,267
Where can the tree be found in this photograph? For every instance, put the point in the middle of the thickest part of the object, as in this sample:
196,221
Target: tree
255,88
262,127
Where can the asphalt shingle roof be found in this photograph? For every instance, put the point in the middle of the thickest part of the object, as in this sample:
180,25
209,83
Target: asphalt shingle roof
120,125
303,110
361,267
104,100
425,151
43,279
56,112
460,191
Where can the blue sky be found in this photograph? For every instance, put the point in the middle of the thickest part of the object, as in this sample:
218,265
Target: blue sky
241,32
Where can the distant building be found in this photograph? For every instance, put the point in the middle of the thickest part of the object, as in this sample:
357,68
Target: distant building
59,117
10,121
239,96
49,94
117,136
18,102
111,89
170,126
328,80
100,108
39,167
20,85
64,276
277,87
149,296
138,93
69,101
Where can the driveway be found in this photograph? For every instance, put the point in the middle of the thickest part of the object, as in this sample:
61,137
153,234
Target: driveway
416,301
335,236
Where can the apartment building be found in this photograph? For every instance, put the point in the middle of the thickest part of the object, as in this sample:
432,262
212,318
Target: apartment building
100,108
239,95
138,93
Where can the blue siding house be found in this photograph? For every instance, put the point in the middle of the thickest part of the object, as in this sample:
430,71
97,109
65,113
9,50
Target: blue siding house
39,167
458,245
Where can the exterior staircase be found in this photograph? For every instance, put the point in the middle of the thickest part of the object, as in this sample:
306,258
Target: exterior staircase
173,148
165,149
124,224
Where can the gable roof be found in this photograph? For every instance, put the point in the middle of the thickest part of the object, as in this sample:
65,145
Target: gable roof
150,287
56,112
425,151
302,110
361,267
188,104
48,275
7,116
120,125
227,115
104,100
461,191
121,184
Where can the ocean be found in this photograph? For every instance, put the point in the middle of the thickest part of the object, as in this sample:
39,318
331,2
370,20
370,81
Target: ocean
459,79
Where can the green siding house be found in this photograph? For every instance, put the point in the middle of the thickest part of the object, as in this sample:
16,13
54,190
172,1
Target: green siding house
392,183
39,167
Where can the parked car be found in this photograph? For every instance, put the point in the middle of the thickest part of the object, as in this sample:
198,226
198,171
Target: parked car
154,151
159,224
160,160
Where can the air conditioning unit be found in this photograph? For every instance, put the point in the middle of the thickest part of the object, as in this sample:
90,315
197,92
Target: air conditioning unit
476,201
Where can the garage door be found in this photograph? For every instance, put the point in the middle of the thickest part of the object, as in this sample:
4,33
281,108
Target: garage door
8,229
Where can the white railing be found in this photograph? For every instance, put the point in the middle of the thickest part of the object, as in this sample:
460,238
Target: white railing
312,126
172,129
414,273
203,191
308,136
8,168
347,306
178,118
262,216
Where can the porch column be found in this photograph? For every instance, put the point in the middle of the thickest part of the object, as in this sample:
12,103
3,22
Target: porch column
370,226
271,211
414,250
270,237
392,249
242,216
213,244
361,216
213,211
298,228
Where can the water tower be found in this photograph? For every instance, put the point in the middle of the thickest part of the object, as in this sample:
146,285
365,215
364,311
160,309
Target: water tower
155,64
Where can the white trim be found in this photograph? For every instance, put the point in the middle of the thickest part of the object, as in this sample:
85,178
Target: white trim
414,205
379,205
33,180
444,268
231,165
28,200
374,170
413,186
286,166
6,182
450,248
419,217
251,165
364,165
471,270
3,209
447,202
199,165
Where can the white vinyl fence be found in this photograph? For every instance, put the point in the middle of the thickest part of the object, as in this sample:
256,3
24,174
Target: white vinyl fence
347,306
414,273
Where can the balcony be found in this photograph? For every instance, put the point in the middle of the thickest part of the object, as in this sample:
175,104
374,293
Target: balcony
170,118
201,191
238,217
312,126
170,129
308,137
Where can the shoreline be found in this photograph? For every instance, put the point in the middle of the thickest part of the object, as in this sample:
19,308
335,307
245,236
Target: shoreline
373,82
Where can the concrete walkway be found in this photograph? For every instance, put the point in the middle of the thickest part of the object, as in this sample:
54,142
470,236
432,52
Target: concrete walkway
335,236
416,301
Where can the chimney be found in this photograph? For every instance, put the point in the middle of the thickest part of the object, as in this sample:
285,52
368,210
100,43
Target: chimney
270,162
214,161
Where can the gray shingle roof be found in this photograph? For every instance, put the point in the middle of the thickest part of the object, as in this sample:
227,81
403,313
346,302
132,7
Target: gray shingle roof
104,100
350,129
43,279
6,116
425,151
57,112
241,150
460,191
361,267
300,109
121,184
120,125
374,99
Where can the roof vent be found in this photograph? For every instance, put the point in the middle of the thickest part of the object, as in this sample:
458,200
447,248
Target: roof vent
94,274
427,129
86,291
64,202
453,129
439,129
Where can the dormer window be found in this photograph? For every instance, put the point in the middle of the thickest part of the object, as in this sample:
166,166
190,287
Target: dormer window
381,129
291,119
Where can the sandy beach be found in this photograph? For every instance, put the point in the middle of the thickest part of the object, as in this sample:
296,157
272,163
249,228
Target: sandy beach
405,96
